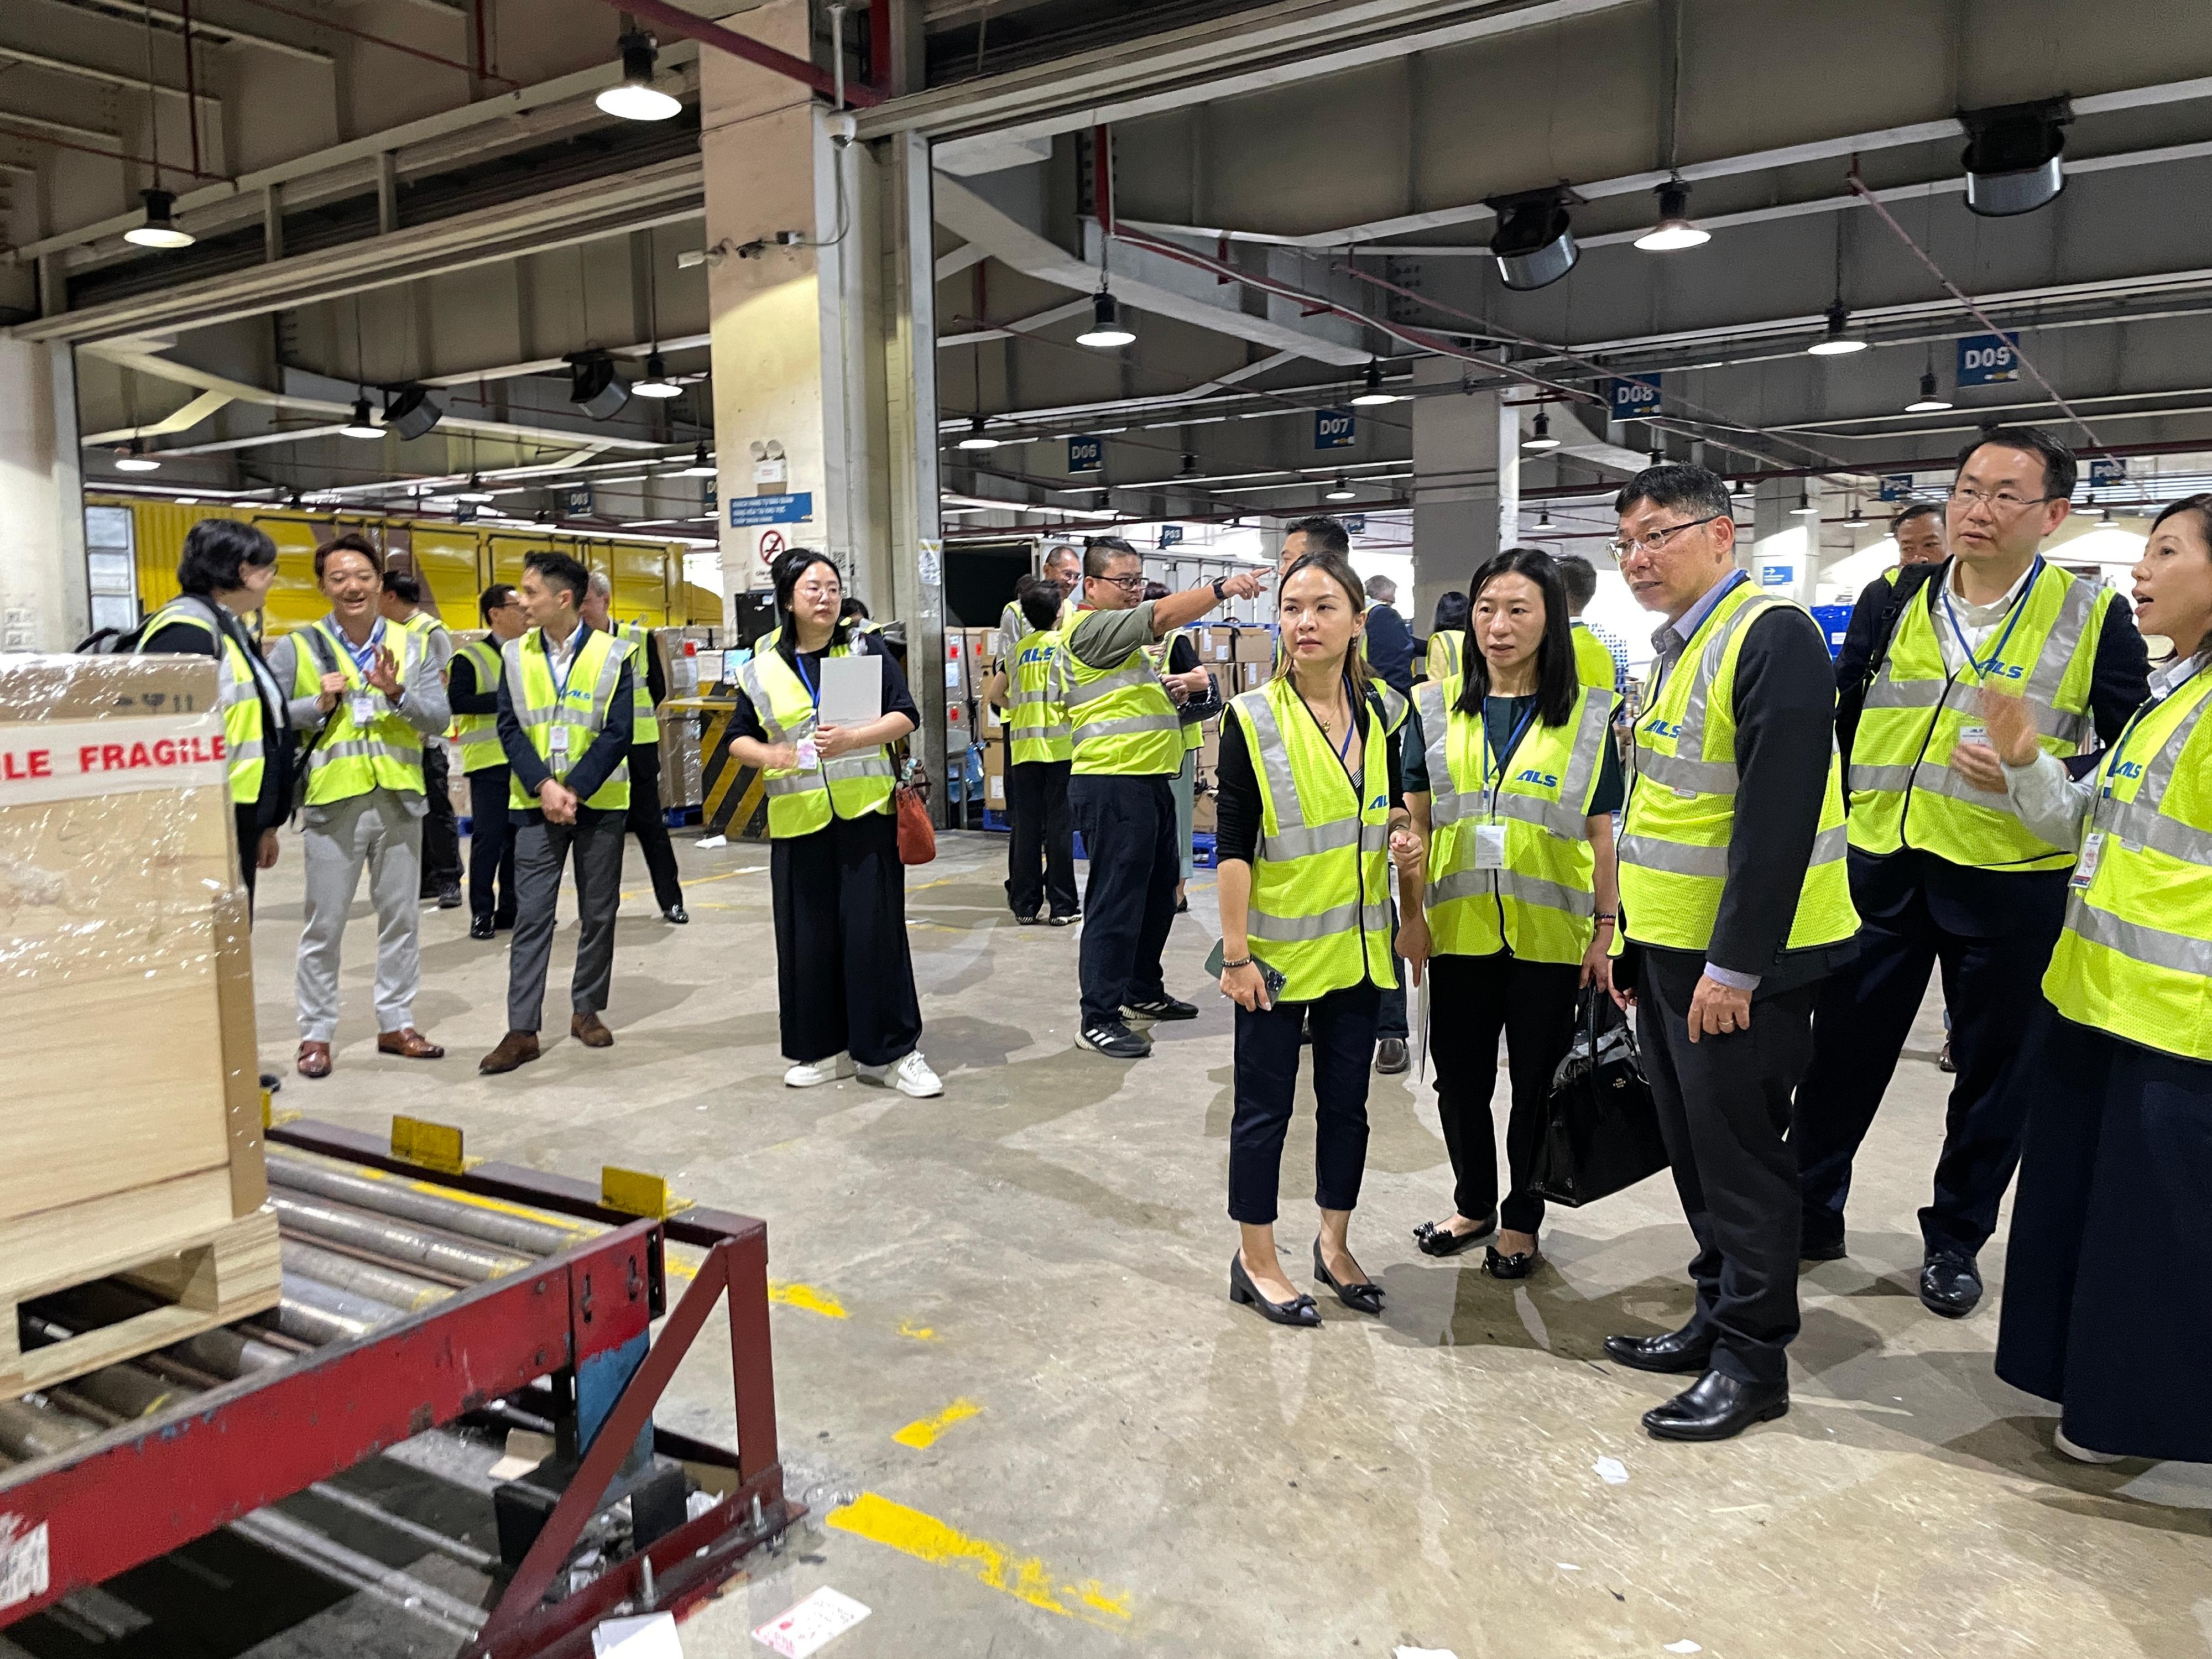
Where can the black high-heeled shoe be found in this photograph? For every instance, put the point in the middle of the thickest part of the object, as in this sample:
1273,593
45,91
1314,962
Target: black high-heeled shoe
1519,1265
1298,1310
1442,1240
1366,1298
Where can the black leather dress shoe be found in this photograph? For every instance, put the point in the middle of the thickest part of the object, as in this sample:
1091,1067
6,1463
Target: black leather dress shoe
480,927
1717,1407
677,914
1685,1350
1950,1286
1391,1056
1814,1249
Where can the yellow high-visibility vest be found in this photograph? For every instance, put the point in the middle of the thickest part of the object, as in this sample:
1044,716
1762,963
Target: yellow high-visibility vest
1541,904
645,724
477,736
1037,720
1682,800
243,739
579,708
802,799
2135,958
352,759
1902,789
1445,646
1594,663
1319,911
1123,722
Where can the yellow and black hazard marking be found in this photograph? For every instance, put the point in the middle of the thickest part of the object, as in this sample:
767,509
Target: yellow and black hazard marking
734,796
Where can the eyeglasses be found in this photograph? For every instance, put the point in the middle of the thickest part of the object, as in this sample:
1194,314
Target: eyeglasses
1127,583
1965,498
1652,540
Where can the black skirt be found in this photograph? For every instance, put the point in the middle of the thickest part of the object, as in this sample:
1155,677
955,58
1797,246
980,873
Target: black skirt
2108,1277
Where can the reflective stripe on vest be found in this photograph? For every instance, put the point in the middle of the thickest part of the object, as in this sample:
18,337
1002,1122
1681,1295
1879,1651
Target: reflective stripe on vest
1122,718
477,736
243,743
1037,720
2135,958
1543,903
645,724
801,799
1444,647
581,707
1320,912
351,760
1904,791
1682,800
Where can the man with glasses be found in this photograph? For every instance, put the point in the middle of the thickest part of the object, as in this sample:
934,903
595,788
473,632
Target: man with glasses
1127,745
1941,867
1734,905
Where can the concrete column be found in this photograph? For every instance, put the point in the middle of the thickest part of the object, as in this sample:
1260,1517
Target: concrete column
1457,495
1509,473
44,605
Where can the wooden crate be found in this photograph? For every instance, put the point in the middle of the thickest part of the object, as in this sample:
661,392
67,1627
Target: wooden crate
132,1112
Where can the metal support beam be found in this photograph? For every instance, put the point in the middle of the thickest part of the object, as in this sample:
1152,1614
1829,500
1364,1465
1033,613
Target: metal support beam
387,193
272,223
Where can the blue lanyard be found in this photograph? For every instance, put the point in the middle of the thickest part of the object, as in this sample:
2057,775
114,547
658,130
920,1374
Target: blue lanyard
560,674
2120,744
813,684
1504,756
364,656
2019,608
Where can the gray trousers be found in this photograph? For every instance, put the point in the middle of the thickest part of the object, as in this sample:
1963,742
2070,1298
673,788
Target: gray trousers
1184,784
540,850
384,831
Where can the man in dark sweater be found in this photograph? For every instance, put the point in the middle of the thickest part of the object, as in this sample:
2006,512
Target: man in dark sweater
1389,641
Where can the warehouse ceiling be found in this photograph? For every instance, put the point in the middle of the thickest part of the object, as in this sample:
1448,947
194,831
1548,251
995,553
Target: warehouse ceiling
394,193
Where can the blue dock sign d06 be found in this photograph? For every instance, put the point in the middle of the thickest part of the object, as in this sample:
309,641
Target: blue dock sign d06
795,506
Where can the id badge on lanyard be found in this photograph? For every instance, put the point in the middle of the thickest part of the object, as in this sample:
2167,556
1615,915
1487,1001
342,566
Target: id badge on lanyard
360,708
2092,854
556,741
1489,846
810,752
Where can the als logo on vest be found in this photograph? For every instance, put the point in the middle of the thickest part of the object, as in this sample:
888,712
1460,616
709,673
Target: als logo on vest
2128,770
1532,776
1659,728
2003,670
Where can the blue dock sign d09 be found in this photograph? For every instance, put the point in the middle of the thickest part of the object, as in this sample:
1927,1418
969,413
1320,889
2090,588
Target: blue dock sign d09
795,506
1334,428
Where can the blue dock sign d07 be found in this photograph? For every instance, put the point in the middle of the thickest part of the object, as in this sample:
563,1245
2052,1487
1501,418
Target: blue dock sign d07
1334,428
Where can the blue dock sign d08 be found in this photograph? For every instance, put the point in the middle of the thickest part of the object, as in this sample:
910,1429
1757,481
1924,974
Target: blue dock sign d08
1634,400
1334,428
795,506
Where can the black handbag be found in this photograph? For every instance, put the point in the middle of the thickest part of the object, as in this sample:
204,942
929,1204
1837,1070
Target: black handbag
1601,1133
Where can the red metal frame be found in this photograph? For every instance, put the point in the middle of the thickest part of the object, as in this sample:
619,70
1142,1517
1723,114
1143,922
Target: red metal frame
152,1486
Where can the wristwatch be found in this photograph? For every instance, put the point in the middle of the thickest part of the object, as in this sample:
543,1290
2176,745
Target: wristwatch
1218,582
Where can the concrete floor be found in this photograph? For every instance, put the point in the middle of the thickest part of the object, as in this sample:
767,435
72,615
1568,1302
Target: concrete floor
1148,1470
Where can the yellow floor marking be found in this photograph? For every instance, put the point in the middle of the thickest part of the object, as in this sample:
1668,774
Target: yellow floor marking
926,1538
809,1296
701,881
919,1333
922,1433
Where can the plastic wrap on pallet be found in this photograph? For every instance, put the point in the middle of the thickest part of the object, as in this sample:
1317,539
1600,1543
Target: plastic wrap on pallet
122,915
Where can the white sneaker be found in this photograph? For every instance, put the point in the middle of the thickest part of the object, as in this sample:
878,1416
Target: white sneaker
911,1076
822,1071
2080,1454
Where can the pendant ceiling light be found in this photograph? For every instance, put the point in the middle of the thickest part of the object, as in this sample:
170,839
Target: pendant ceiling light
656,383
161,228
1836,341
133,458
1541,438
700,467
1929,402
976,438
636,99
360,423
1106,330
1675,229
1339,491
1805,509
1370,391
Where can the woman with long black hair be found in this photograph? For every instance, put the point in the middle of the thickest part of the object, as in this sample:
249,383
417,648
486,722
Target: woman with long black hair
1512,778
844,978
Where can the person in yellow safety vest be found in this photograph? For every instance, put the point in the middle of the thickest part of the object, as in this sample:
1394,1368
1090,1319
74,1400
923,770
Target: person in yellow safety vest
1447,637
224,573
472,689
1175,659
1598,662
365,690
845,996
402,607
1735,904
1040,850
1063,568
2118,1070
1308,808
1128,743
647,819
566,708
1512,782
1941,868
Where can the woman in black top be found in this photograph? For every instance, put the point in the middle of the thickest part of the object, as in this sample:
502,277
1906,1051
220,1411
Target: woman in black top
226,571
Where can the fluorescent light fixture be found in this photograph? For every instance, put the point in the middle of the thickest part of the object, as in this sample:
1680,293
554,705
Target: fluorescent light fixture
700,467
1106,330
976,438
133,458
161,228
1541,438
1371,391
1341,490
360,423
656,383
1929,402
1673,229
636,99
1836,343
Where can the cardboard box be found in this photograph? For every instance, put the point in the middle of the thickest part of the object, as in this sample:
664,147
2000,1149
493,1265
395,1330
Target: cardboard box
1251,676
1249,645
994,791
995,759
1213,642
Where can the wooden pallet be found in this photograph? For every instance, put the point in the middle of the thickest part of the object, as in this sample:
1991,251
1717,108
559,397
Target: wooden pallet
226,1273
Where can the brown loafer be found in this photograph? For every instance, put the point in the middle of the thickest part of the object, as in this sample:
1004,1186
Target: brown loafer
408,1043
515,1048
591,1030
314,1060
